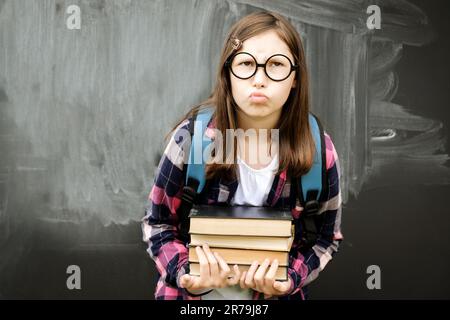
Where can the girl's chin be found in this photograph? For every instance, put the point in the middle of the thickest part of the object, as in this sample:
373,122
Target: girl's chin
258,110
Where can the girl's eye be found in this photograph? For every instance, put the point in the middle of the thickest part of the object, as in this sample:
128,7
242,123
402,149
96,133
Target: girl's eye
277,64
246,63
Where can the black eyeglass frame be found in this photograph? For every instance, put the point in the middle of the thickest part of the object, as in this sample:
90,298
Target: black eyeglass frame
263,65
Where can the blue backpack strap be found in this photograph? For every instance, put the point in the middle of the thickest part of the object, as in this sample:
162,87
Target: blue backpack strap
314,183
195,174
311,182
199,142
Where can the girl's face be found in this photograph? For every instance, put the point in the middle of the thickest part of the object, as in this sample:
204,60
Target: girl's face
262,46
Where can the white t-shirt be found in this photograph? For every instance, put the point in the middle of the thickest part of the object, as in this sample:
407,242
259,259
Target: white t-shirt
254,184
253,189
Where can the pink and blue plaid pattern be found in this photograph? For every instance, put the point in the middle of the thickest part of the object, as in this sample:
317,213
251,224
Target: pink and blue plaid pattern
160,223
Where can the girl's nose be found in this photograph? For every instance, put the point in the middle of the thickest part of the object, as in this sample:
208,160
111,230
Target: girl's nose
260,77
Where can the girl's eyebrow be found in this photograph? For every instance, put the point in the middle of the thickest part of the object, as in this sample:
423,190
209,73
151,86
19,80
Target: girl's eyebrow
267,56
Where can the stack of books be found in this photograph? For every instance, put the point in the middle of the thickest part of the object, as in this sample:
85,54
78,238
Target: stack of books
241,235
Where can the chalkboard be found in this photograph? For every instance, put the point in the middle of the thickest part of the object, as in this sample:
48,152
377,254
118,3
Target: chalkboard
88,89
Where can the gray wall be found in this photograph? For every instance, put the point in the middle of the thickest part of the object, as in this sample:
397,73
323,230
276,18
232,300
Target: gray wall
83,113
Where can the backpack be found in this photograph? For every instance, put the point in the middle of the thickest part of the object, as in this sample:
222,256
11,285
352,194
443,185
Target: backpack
312,184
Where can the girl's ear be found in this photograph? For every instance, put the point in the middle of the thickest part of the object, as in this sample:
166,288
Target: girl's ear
294,83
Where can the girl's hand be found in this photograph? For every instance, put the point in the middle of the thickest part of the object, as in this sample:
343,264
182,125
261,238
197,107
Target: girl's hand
259,280
214,273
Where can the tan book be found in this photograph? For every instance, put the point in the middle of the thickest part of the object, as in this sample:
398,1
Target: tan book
281,274
240,221
244,242
245,257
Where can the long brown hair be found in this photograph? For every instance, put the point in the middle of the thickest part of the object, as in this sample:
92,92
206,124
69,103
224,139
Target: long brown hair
296,148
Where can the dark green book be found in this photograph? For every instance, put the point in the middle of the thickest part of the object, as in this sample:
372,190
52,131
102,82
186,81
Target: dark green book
240,220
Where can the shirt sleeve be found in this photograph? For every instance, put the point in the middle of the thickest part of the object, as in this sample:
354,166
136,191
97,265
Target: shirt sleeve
160,224
305,267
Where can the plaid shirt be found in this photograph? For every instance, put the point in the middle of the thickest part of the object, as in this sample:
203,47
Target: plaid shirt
160,225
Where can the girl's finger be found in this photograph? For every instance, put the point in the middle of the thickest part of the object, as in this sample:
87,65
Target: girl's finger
242,280
270,275
187,281
184,280
281,286
234,280
269,278
225,269
213,265
204,264
259,275
249,282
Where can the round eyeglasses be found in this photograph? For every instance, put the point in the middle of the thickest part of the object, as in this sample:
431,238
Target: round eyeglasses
244,66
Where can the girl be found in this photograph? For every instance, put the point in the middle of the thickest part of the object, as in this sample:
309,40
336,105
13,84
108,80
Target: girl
262,84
